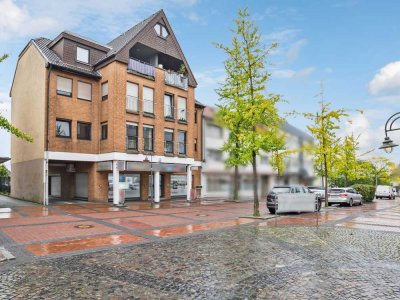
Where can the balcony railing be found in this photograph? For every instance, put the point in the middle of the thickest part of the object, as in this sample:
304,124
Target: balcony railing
169,147
141,67
182,115
148,106
131,143
168,111
176,79
132,103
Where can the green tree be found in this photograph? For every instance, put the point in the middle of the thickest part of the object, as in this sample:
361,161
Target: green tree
253,115
346,168
324,128
5,124
4,171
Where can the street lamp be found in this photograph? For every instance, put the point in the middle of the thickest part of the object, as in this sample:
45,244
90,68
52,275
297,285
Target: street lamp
387,143
146,160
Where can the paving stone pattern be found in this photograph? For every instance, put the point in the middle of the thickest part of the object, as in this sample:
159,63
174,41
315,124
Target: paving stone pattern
246,262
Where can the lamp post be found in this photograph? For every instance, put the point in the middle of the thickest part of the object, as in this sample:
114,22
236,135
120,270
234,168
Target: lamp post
146,160
387,143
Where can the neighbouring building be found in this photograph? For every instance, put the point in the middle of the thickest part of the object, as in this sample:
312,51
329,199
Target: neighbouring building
218,181
107,119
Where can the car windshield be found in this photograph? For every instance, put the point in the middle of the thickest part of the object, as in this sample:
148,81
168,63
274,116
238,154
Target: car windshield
280,190
336,191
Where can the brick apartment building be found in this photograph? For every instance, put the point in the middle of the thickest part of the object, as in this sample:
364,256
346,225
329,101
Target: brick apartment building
106,118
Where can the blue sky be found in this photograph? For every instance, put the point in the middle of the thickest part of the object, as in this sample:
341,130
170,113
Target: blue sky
351,45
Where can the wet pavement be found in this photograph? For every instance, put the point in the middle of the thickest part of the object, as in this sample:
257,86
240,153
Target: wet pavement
202,250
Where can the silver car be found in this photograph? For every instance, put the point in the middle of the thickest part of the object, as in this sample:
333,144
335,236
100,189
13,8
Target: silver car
348,196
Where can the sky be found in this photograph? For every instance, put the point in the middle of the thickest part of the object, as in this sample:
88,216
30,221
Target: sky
352,46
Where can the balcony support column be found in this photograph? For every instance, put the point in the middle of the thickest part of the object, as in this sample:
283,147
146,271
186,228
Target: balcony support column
188,183
115,182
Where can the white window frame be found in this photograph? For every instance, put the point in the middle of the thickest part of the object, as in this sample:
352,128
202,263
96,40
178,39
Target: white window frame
132,96
104,90
82,55
182,111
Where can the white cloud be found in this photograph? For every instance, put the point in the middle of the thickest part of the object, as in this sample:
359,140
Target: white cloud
294,50
387,80
210,78
17,21
195,17
282,35
43,17
292,74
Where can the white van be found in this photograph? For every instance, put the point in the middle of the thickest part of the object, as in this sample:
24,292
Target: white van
384,191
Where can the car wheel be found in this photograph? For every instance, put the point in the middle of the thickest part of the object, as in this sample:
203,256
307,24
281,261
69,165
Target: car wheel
351,202
271,210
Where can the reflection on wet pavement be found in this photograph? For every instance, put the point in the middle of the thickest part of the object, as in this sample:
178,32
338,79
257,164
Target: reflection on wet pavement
188,229
48,229
83,244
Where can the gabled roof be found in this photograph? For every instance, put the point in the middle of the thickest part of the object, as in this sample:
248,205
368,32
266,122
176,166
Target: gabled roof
79,38
53,59
121,41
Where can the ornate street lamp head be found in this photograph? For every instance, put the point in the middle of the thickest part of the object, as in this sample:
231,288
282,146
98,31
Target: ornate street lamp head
387,145
146,160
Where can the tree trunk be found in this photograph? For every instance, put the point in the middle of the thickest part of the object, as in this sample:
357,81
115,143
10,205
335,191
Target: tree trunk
326,181
236,184
256,210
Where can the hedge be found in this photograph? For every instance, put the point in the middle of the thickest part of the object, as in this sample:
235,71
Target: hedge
367,191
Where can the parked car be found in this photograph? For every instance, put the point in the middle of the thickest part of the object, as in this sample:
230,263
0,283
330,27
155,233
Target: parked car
292,198
319,190
384,191
348,196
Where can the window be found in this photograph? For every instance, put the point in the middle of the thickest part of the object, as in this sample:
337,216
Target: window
182,109
148,137
195,144
84,131
214,155
195,117
84,91
104,91
104,131
214,131
168,106
131,136
182,142
264,160
64,86
63,128
148,100
161,30
132,97
82,55
169,141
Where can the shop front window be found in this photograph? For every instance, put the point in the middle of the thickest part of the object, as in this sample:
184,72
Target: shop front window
178,185
130,183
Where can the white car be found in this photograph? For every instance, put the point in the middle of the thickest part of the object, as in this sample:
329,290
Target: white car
384,191
348,196
319,190
292,198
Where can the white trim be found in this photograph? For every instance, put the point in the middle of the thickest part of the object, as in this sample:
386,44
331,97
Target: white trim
72,156
148,126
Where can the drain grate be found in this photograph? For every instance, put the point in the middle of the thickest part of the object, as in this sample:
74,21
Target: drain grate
84,226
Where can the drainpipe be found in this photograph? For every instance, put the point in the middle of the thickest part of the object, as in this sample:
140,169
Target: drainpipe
46,159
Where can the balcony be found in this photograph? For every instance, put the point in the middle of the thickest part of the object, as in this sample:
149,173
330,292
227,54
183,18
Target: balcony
141,67
176,79
132,104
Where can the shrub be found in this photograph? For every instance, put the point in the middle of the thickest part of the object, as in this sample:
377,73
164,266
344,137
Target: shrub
367,191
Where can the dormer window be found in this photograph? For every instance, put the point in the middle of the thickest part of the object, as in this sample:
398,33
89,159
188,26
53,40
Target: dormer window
82,55
161,30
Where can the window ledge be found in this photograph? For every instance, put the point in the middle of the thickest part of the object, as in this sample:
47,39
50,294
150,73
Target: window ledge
182,122
182,155
150,115
131,151
169,154
169,119
135,112
147,152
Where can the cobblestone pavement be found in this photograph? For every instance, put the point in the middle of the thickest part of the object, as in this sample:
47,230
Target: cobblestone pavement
199,250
